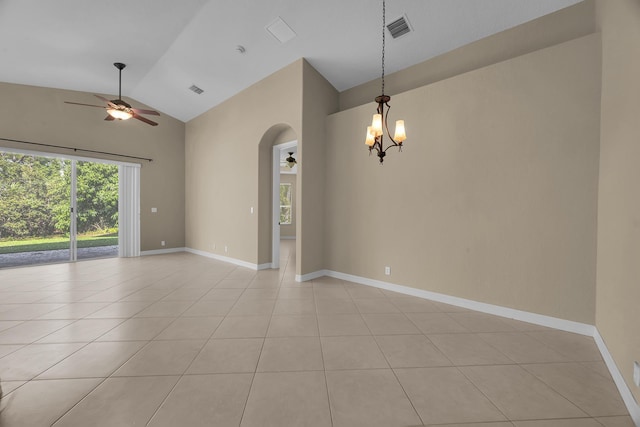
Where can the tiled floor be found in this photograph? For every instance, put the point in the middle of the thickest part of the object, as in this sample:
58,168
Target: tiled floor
182,340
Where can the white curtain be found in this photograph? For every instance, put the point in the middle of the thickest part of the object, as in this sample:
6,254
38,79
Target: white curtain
129,211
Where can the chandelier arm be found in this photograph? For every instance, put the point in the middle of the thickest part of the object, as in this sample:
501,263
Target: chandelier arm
386,125
395,144
378,144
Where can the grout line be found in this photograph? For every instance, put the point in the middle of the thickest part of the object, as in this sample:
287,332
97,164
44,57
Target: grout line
473,384
264,339
164,399
80,400
375,339
324,368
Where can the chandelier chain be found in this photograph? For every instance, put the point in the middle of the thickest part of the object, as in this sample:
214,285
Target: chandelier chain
383,39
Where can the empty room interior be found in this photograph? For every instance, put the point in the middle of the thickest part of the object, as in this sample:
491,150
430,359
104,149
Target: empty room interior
284,260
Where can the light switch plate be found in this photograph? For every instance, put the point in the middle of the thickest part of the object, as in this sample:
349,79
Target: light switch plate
154,210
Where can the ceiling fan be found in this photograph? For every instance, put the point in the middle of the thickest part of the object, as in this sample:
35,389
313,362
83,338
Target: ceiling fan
117,109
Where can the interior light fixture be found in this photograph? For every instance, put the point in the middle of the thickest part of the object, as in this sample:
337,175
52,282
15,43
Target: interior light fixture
119,109
375,132
291,162
120,113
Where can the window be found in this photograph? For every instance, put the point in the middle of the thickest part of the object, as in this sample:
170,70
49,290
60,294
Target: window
285,204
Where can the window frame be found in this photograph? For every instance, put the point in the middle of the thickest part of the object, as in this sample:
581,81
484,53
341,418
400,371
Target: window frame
289,206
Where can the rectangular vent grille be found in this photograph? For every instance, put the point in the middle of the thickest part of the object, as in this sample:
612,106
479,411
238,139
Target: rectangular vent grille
399,27
280,30
196,89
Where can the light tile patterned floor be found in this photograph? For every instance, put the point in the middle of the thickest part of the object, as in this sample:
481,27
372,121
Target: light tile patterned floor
180,339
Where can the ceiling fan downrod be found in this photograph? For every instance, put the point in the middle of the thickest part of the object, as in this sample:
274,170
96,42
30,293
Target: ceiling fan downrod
120,66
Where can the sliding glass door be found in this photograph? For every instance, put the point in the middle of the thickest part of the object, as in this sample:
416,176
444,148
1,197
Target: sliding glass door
55,210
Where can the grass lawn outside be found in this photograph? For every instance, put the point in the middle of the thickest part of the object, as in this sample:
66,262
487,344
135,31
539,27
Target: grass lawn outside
53,243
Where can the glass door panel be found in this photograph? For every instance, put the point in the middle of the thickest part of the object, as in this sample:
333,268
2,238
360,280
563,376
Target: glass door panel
35,206
96,202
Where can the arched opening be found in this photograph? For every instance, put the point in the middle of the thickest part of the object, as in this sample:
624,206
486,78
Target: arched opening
268,237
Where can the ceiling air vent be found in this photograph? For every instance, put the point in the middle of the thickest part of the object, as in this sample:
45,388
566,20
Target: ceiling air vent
399,27
280,30
196,89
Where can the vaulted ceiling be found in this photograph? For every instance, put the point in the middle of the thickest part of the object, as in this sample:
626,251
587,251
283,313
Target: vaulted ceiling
169,45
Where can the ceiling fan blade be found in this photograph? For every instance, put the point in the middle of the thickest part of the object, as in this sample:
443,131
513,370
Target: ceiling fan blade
109,118
144,119
141,111
111,104
86,105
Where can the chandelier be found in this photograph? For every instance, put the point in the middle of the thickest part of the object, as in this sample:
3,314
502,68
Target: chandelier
375,132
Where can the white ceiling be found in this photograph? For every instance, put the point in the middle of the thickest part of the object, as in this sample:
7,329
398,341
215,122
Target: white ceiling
169,45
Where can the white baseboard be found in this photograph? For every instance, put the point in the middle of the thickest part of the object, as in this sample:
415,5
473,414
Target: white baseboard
230,260
525,316
537,319
162,251
208,255
311,276
627,396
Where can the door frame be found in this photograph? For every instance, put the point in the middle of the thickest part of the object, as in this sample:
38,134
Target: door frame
73,228
275,201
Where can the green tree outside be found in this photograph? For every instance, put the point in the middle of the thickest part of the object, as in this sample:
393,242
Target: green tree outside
35,196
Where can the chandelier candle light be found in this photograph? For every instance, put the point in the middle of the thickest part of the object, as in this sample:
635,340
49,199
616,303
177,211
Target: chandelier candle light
375,132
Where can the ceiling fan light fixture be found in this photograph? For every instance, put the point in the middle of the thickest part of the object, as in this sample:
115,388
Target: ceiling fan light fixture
120,114
291,162
118,109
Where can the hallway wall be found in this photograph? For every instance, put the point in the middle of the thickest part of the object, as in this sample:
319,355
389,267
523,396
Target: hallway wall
618,287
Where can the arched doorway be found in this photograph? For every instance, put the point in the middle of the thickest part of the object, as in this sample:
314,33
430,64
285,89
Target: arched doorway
282,136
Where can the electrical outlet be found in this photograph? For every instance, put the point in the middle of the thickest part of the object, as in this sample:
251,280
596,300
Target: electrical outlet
636,373
162,243
226,249
387,271
251,209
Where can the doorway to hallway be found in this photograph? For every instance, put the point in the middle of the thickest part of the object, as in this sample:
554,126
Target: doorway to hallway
283,198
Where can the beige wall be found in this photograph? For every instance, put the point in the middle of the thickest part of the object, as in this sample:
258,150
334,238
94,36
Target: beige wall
564,25
289,230
494,197
291,104
618,282
40,115
319,100
228,166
